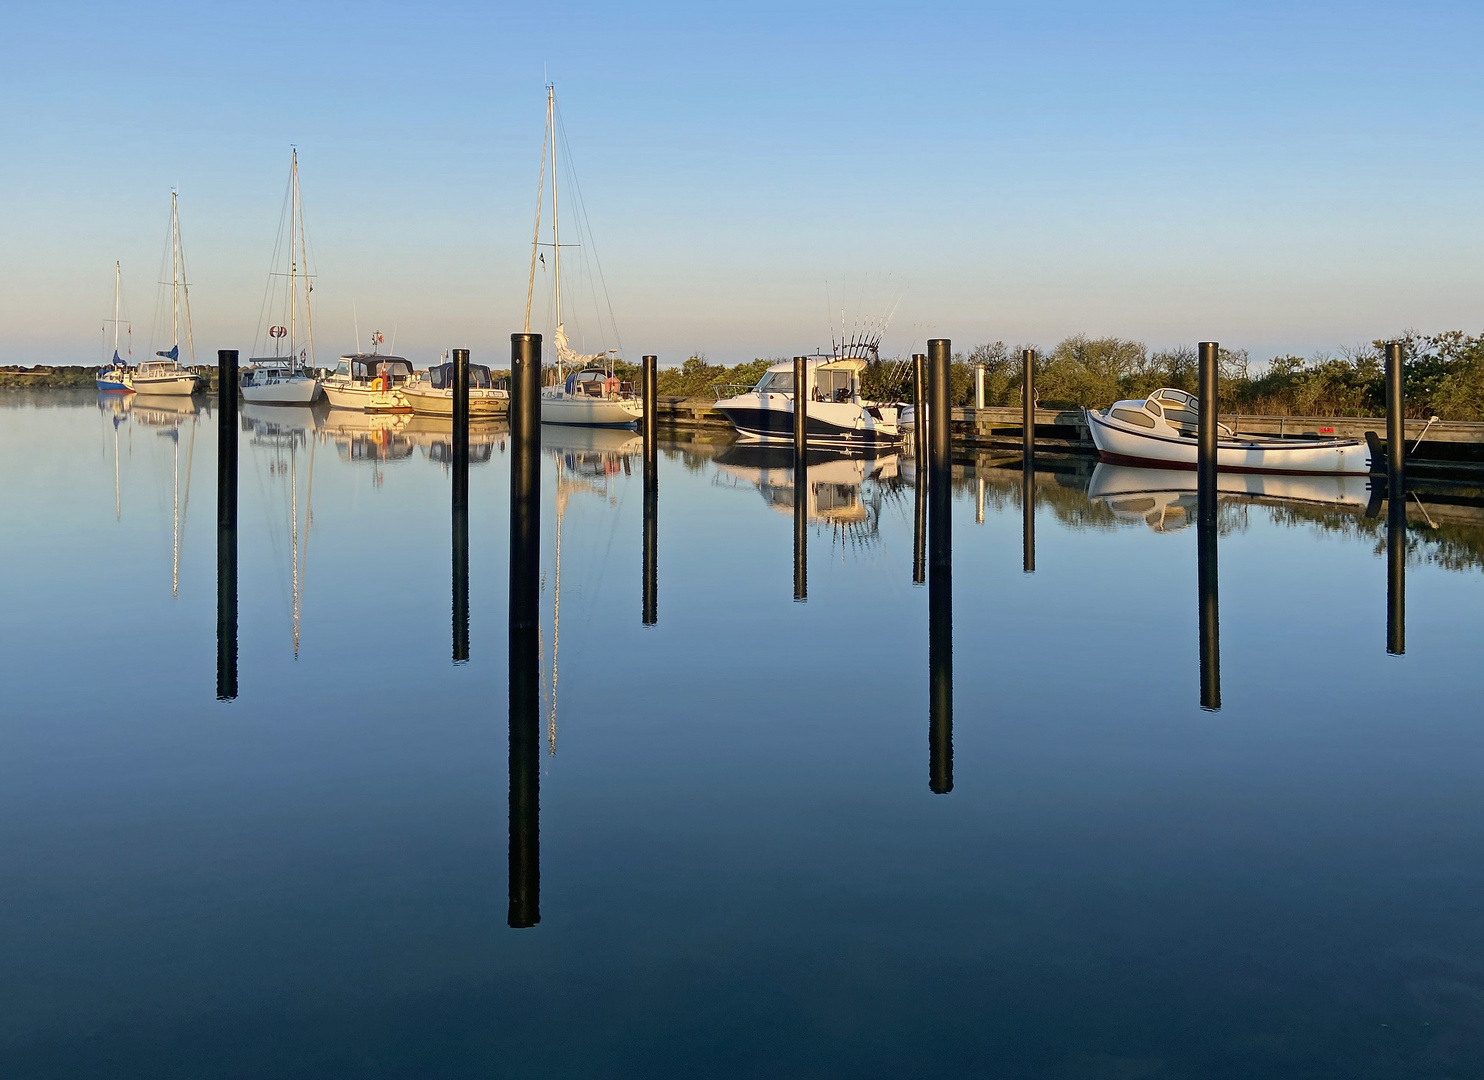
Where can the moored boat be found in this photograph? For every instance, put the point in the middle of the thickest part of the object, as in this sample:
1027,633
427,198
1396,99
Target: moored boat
1161,432
430,393
283,378
114,377
368,380
164,375
836,414
591,398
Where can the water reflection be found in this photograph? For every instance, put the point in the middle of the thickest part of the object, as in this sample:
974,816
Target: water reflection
173,419
1396,573
434,436
278,436
375,438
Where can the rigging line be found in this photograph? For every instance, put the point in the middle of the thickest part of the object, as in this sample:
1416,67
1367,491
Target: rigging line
185,288
308,280
272,266
587,224
536,238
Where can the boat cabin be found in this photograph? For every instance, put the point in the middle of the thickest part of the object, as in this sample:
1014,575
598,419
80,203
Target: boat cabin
440,377
828,379
594,382
364,367
1166,410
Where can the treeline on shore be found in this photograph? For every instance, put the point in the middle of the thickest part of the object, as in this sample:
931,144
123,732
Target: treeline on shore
1443,376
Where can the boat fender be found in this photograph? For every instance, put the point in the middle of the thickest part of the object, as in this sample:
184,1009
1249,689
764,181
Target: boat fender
611,385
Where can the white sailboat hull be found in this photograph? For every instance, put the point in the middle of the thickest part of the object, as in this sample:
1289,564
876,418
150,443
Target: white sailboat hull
181,384
590,411
294,391
1117,443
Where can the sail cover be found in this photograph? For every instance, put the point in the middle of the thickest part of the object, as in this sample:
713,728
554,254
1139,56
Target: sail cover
568,356
173,354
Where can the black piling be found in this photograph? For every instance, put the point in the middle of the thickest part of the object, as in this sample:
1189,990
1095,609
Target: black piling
1396,435
650,601
919,402
801,404
226,525
1206,516
940,573
801,479
920,466
460,505
525,654
1028,462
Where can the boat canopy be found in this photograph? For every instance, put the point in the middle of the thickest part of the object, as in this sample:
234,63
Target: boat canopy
441,377
370,365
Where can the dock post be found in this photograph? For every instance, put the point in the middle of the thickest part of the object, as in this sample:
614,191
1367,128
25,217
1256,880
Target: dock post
919,403
226,525
460,506
1206,531
525,655
1396,504
650,601
801,404
801,478
1396,435
1028,461
940,572
978,388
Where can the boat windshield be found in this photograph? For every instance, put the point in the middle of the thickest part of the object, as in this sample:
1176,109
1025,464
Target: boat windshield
777,382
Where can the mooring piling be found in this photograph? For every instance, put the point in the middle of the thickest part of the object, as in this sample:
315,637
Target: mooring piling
978,386
940,574
1206,529
1028,404
460,505
1396,436
650,600
919,401
801,404
525,654
226,525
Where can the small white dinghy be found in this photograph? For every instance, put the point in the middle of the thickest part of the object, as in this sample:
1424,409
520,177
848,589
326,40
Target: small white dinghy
1161,431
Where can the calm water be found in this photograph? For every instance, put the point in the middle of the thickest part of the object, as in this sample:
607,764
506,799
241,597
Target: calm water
743,869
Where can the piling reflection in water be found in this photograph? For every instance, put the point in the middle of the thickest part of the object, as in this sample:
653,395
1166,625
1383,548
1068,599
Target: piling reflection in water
650,615
460,505
525,653
801,527
226,527
940,578
1206,514
1028,516
1396,573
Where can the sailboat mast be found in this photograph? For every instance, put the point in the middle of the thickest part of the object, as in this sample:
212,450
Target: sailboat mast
536,235
304,262
174,272
117,275
293,252
556,236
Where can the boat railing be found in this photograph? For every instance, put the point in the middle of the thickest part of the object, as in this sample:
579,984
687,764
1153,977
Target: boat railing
722,390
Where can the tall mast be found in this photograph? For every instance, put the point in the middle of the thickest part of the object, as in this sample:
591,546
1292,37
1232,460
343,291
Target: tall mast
304,261
117,274
556,238
536,234
293,252
174,272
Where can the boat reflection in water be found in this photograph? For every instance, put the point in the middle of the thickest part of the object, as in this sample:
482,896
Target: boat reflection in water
168,415
1166,499
374,437
843,491
278,436
434,436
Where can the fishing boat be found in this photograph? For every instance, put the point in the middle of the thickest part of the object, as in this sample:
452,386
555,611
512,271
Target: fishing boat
114,378
1161,431
164,375
587,392
430,393
836,414
369,381
283,378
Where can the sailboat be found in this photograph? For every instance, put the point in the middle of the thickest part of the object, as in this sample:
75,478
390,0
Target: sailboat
164,375
114,379
587,391
282,379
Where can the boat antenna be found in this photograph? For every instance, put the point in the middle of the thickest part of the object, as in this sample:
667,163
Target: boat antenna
356,317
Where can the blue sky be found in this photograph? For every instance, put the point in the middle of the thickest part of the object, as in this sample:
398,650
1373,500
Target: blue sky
1281,177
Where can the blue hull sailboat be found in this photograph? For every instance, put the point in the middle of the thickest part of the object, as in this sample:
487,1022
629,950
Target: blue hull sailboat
114,379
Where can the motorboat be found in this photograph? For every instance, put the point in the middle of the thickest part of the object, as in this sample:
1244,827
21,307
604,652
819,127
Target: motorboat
363,381
1161,431
591,398
837,415
284,378
430,392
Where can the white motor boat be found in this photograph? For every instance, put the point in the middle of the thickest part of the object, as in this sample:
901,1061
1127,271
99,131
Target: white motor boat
278,380
1161,431
365,381
163,378
837,415
430,393
592,398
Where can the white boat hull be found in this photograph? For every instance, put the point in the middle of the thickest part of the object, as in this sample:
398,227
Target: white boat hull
345,396
427,401
298,391
180,385
1118,444
590,412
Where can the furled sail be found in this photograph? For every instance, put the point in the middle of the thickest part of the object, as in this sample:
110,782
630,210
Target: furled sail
570,358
